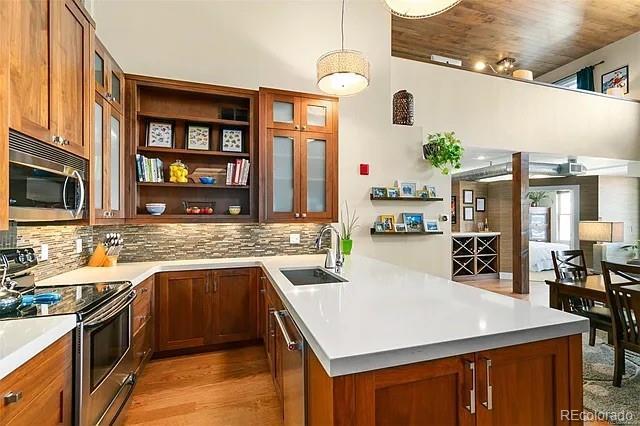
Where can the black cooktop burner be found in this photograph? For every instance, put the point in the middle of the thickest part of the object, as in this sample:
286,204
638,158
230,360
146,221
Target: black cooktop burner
75,299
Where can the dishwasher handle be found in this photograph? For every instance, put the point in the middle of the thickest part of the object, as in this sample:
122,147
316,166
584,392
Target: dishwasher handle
292,345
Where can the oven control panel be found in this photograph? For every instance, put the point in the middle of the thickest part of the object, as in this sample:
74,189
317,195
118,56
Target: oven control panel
19,259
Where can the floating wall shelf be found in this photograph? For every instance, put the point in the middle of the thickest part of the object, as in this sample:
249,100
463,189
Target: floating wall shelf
374,232
403,198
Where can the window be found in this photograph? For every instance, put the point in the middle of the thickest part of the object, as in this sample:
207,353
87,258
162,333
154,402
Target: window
569,82
564,217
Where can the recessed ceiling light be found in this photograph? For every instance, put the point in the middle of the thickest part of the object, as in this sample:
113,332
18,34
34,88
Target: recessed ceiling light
481,157
479,66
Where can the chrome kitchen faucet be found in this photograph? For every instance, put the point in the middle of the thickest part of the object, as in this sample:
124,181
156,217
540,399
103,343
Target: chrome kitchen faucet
331,261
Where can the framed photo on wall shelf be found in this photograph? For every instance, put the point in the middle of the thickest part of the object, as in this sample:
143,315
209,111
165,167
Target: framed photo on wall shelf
389,222
467,213
616,78
408,188
159,134
393,192
400,227
431,225
481,204
414,222
231,140
198,137
467,196
379,192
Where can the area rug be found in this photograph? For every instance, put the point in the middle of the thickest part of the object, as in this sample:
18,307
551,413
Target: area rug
616,405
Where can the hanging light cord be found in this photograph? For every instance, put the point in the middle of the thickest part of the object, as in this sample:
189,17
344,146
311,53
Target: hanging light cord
342,25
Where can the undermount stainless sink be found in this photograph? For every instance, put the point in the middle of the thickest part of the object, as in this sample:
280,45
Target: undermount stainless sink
310,276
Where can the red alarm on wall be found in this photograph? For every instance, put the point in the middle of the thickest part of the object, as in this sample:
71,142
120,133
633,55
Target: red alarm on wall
364,169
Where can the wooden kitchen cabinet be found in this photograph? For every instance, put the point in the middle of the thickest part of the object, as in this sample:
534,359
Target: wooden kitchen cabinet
272,335
234,305
143,324
198,309
50,72
299,154
182,311
44,386
107,142
528,384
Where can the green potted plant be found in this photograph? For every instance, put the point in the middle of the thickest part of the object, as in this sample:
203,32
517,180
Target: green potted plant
444,151
348,224
536,197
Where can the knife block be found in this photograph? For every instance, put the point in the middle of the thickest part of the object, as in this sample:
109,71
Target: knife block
99,258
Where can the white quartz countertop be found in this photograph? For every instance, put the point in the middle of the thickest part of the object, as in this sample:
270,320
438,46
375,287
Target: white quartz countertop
384,316
474,234
21,340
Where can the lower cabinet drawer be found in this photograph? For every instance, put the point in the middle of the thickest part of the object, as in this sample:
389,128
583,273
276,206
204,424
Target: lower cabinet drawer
142,345
40,391
142,306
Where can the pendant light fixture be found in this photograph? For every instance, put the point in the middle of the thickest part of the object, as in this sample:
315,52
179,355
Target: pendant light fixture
419,9
343,72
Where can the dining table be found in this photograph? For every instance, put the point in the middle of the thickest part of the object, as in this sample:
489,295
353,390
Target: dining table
589,287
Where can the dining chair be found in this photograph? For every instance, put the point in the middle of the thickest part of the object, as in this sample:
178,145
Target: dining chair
625,312
571,265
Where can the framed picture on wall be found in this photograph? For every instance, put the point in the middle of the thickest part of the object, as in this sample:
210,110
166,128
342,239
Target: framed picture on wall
616,78
454,209
467,214
231,140
160,134
198,137
481,204
467,196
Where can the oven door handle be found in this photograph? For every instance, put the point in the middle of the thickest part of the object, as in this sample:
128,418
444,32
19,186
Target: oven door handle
111,312
130,382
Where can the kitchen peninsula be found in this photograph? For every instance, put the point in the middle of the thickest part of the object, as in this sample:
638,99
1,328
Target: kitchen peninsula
389,337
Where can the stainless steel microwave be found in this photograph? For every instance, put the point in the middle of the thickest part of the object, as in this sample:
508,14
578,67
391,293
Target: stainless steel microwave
45,182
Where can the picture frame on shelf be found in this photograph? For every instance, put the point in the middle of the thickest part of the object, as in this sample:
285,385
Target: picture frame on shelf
389,222
408,188
467,196
431,191
467,214
616,78
481,204
393,192
231,140
400,227
378,227
431,225
379,192
159,134
422,193
414,222
454,210
198,137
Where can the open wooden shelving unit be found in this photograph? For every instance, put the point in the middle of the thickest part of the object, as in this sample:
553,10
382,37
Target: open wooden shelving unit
182,103
475,257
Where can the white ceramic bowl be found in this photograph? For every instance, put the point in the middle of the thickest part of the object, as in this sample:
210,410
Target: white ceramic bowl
156,209
235,210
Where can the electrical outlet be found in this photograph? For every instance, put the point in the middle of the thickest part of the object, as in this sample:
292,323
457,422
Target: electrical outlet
78,245
44,252
294,238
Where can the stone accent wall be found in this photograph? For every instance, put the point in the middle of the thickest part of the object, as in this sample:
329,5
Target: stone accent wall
160,242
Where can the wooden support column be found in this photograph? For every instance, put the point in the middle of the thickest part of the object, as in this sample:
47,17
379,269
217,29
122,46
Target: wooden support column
4,115
520,234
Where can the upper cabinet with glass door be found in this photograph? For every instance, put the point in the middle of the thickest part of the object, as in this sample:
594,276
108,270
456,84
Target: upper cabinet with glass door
109,78
299,151
290,111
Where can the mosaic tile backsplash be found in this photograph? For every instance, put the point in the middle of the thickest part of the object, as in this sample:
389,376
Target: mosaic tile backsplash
161,242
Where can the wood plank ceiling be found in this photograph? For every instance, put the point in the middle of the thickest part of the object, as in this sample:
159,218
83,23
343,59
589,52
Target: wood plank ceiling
541,34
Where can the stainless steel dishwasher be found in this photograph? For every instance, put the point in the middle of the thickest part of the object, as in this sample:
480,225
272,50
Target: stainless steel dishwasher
293,368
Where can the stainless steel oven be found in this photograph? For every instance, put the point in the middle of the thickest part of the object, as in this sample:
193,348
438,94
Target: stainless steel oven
104,370
45,183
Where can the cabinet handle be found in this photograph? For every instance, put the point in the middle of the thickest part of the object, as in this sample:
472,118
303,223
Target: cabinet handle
12,397
304,127
489,402
296,127
272,331
215,285
472,392
66,142
206,286
58,140
144,290
304,215
297,215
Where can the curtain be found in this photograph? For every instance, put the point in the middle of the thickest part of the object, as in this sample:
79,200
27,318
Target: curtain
585,79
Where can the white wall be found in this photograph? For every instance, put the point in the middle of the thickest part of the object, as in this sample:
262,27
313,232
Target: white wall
491,112
276,44
615,55
619,201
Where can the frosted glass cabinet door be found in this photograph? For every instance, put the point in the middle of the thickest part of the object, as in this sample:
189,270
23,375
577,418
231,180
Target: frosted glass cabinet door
283,174
115,172
316,175
283,112
98,154
317,115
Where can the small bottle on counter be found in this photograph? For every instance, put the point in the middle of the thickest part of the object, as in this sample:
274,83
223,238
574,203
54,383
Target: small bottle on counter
486,224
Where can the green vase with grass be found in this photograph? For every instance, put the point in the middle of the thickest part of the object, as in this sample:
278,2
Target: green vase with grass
348,224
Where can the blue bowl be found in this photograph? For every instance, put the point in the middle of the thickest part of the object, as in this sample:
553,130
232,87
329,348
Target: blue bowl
207,180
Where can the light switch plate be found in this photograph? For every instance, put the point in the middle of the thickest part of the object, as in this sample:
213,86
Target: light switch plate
78,245
44,252
294,238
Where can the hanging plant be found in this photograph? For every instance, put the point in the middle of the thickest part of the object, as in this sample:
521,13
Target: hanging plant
444,151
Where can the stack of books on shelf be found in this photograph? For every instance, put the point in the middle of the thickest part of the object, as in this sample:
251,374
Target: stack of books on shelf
149,169
238,172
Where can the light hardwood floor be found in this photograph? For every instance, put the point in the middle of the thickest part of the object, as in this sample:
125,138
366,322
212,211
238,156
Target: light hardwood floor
230,387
